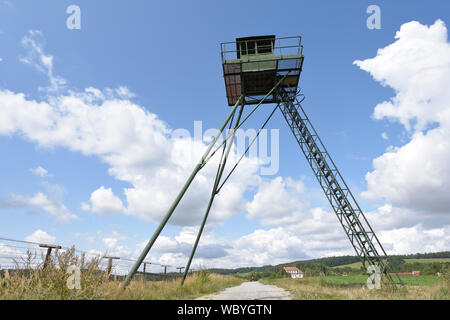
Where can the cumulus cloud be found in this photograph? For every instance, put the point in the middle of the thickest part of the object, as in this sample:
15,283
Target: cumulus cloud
277,202
139,148
416,238
142,150
259,247
40,201
39,171
283,202
103,201
112,246
40,236
417,66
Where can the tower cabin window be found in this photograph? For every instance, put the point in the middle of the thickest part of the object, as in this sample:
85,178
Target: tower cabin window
254,45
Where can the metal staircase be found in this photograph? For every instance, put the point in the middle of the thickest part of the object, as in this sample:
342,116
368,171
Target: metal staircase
348,212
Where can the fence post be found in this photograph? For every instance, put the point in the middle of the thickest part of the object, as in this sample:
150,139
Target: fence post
109,267
180,268
48,254
145,274
165,271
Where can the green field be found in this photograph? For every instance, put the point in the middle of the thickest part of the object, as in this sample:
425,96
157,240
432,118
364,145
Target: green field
353,288
361,279
428,260
358,265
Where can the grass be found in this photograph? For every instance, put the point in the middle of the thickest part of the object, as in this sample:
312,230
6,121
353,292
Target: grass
430,260
353,288
358,265
27,283
197,285
51,284
361,279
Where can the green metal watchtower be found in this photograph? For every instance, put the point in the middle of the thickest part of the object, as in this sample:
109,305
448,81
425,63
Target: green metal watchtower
266,70
253,65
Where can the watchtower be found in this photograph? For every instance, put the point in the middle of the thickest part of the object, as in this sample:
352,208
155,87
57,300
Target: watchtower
266,70
253,65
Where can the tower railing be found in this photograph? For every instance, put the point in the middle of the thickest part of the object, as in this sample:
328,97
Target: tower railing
282,46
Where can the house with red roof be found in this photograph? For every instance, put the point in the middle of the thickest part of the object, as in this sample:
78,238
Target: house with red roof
294,272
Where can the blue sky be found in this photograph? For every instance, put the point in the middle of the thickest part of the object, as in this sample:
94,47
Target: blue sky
167,56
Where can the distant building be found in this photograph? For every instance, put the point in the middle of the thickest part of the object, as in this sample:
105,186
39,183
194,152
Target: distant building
412,273
294,272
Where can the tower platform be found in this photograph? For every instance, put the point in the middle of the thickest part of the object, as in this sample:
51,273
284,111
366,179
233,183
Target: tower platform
253,65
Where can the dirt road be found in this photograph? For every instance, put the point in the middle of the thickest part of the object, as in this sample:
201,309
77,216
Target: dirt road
250,291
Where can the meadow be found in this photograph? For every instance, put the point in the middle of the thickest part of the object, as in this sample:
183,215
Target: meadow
36,283
353,287
358,265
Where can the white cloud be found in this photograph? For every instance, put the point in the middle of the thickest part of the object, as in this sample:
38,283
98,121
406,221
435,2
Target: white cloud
9,250
141,152
59,210
416,239
103,201
385,136
41,236
33,42
39,171
138,147
277,202
41,201
111,247
417,66
260,247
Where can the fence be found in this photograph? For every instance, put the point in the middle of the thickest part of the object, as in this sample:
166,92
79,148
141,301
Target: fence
21,254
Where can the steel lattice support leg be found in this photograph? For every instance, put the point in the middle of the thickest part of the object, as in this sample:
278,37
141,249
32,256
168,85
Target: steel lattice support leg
214,192
347,210
169,213
206,156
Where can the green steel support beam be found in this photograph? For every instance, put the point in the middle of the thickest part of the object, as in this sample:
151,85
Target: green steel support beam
178,198
213,193
197,168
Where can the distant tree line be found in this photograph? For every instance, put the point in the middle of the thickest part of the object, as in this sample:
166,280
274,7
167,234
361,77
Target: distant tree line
324,266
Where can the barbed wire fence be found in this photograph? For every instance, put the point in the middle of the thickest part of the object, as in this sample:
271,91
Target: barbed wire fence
20,254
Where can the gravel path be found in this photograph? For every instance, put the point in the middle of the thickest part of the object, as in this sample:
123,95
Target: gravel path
250,291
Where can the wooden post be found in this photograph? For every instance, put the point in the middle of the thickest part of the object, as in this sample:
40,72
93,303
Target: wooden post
109,267
144,275
180,268
165,272
48,254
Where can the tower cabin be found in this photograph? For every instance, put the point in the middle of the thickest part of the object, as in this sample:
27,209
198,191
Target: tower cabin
253,65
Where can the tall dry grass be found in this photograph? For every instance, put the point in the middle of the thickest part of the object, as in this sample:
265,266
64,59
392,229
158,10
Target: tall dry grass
196,285
33,283
29,281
